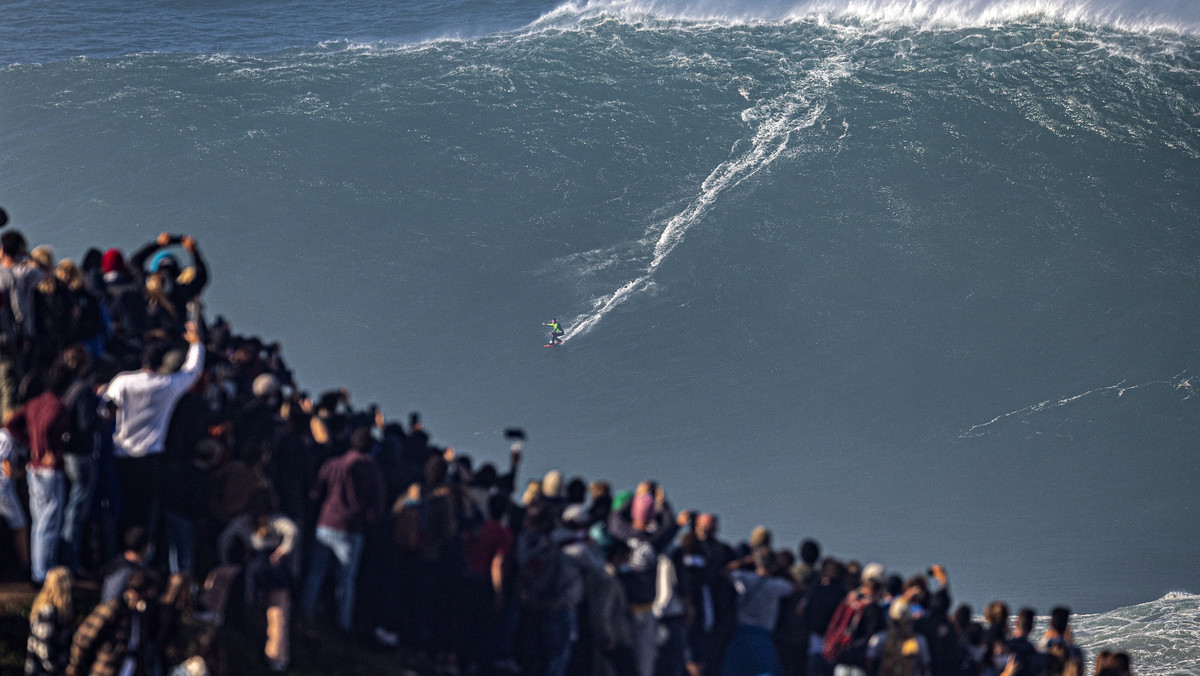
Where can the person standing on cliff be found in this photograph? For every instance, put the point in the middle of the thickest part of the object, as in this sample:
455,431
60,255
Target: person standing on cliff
350,490
143,402
42,424
152,258
18,278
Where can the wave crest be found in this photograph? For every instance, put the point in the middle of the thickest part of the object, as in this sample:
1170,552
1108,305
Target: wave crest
1177,16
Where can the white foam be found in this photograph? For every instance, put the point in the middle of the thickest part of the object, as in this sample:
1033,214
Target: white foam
1177,383
778,120
1133,15
1160,636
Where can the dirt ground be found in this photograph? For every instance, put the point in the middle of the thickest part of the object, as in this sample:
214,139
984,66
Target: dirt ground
315,650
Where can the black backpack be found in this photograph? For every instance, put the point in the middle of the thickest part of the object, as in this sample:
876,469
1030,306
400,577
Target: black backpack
543,575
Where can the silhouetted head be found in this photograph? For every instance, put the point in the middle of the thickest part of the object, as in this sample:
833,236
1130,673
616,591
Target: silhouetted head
1025,619
497,506
1059,617
362,440
12,243
137,540
91,259
577,491
832,569
810,551
154,354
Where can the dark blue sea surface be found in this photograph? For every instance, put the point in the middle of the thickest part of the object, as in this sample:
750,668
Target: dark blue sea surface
918,280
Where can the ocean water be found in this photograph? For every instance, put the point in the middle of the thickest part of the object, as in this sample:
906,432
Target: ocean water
917,279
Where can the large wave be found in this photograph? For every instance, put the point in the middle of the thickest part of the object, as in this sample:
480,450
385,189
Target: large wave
1043,86
1159,635
1134,15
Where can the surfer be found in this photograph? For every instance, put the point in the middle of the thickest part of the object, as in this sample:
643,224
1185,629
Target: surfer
556,331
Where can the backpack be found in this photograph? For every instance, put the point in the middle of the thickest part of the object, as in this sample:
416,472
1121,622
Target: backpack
544,576
901,653
840,634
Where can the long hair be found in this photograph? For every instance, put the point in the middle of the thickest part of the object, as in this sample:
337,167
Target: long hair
996,615
43,258
69,274
157,294
55,592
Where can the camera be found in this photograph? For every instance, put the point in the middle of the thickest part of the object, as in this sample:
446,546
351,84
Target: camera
514,433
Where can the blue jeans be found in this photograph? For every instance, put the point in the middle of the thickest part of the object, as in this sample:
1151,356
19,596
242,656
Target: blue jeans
81,473
47,500
181,534
347,549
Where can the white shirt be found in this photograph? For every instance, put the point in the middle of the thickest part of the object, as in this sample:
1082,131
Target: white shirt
145,402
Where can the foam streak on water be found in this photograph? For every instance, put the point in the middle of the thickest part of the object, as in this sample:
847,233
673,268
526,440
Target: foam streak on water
1178,383
780,121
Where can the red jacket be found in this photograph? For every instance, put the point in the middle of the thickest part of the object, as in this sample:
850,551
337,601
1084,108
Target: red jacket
45,429
350,489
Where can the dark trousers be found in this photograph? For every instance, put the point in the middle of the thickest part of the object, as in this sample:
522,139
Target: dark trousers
139,481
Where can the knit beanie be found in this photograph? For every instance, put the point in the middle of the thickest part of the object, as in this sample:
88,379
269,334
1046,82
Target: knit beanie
112,261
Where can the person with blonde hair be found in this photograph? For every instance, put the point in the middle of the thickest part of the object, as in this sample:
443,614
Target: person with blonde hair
86,319
533,492
171,288
51,314
552,485
50,625
161,313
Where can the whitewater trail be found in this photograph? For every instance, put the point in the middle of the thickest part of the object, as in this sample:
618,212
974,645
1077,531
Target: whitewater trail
781,118
1178,383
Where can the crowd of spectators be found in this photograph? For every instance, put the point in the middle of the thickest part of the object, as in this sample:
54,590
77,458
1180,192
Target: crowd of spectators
182,466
